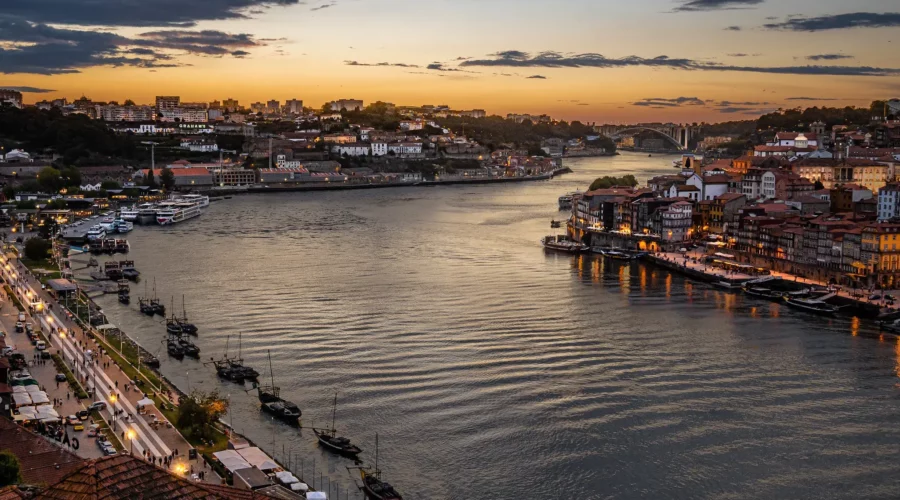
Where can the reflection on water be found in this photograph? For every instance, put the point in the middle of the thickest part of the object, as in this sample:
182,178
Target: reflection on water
492,369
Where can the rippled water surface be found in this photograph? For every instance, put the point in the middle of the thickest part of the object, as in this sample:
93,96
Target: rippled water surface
494,370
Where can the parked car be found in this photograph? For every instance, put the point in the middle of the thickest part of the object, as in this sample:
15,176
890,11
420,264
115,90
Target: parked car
40,345
60,377
21,317
97,406
29,328
20,327
78,426
109,451
83,414
72,420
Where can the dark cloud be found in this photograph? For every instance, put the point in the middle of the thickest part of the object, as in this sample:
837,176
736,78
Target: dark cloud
323,6
828,57
399,65
695,5
549,59
743,111
728,104
206,42
739,54
28,90
436,66
42,49
536,77
143,13
809,99
240,53
582,104
733,28
670,103
838,21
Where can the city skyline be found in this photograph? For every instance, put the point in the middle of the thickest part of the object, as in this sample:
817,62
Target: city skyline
664,60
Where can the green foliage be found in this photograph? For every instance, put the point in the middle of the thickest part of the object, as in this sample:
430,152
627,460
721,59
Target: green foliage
9,192
167,179
494,130
37,248
818,185
198,411
77,137
50,179
107,185
57,204
9,469
608,182
798,119
26,205
151,179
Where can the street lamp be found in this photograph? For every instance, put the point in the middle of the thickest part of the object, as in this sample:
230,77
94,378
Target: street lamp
131,435
112,406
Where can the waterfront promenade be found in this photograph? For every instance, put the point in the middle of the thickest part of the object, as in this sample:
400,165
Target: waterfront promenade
93,368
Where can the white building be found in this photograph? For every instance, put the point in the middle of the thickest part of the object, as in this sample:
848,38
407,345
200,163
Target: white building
412,125
406,148
346,105
16,155
676,222
184,115
293,106
889,201
91,187
767,184
710,186
351,149
379,148
113,113
795,140
199,146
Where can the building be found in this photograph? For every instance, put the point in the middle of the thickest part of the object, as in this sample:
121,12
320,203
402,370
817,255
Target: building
339,138
11,97
231,105
675,222
115,113
185,176
379,148
233,177
346,105
405,148
273,107
293,106
360,149
475,113
167,102
796,140
199,145
889,201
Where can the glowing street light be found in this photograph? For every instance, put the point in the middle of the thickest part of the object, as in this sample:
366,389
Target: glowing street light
131,435
180,468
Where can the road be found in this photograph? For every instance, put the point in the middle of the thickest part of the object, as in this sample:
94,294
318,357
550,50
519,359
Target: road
100,371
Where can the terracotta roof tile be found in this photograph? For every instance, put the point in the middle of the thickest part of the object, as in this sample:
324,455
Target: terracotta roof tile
41,461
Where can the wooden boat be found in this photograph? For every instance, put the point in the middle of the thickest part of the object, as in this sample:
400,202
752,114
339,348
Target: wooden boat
763,293
373,486
727,285
555,224
150,361
814,305
183,322
190,349
174,350
124,298
563,244
272,403
331,441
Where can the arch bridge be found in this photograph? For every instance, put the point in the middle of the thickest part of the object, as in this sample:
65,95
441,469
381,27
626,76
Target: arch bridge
676,135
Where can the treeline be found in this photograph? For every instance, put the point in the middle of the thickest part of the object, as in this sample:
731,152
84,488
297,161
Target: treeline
607,182
78,138
798,120
493,131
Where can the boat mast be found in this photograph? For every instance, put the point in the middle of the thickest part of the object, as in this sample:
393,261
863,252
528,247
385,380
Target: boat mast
183,311
377,472
239,358
333,412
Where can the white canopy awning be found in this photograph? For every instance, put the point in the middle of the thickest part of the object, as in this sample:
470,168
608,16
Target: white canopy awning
39,397
231,460
21,398
32,389
146,402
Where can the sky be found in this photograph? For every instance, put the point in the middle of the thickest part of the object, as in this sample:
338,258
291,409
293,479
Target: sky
600,61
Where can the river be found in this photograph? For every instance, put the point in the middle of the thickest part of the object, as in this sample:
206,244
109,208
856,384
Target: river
493,370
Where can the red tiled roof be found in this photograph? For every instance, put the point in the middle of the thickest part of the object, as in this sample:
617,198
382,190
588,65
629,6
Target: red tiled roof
40,461
716,179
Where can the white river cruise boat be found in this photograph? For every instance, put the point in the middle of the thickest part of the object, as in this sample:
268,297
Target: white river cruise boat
172,212
96,233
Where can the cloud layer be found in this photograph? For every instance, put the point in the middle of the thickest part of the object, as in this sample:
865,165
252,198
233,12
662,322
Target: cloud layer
695,5
42,49
725,107
550,59
28,90
143,13
838,22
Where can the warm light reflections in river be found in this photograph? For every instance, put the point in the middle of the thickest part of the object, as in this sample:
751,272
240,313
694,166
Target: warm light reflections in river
492,369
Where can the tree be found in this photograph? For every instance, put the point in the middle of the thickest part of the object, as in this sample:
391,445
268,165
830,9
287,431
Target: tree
107,185
151,181
71,176
37,248
50,179
10,472
167,178
818,185
9,192
606,182
128,102
57,204
197,412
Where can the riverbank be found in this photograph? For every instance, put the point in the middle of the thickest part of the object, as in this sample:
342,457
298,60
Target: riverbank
690,264
343,186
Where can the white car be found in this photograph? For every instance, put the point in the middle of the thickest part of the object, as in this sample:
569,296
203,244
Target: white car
8,350
22,317
40,345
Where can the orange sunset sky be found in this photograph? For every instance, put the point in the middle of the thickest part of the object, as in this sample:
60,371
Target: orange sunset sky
598,61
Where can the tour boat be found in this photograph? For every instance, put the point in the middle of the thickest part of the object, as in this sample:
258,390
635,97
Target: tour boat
96,233
727,285
814,305
563,244
199,199
373,486
173,212
123,226
565,201
108,224
129,214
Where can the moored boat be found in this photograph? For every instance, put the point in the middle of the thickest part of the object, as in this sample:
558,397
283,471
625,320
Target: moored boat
373,486
272,402
331,441
814,305
763,293
563,244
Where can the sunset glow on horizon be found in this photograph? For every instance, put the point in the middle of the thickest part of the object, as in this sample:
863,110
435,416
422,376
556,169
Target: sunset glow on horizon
601,61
